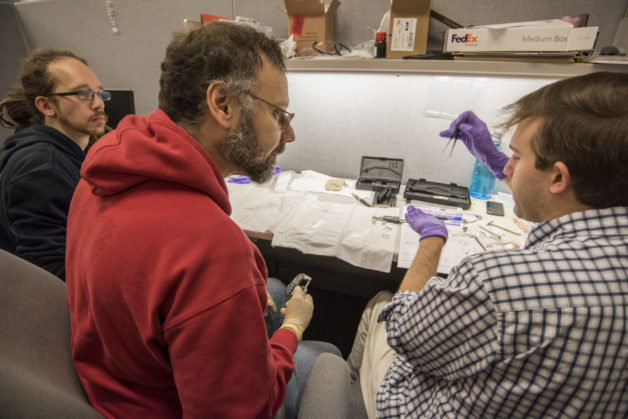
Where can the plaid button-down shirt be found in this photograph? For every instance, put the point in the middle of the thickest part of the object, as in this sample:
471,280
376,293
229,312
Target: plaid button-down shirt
536,332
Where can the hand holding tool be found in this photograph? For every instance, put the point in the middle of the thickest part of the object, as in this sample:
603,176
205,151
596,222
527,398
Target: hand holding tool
474,134
453,137
425,224
298,312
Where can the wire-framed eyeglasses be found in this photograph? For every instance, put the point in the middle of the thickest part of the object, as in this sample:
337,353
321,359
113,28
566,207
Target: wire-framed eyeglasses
87,95
283,116
330,47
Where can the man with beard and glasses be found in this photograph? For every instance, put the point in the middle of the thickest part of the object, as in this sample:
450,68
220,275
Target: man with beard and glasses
520,333
167,295
55,107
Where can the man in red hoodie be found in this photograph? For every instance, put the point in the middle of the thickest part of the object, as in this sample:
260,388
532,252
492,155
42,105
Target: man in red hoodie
166,293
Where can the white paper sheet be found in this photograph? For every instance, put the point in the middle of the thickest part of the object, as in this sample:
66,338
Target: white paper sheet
458,245
343,230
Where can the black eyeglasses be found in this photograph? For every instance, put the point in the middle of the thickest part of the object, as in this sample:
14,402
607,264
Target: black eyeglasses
283,116
329,47
87,95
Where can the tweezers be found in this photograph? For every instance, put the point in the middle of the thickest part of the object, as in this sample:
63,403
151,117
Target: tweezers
454,138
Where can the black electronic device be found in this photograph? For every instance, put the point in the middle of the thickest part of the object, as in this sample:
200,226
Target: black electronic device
494,208
301,280
122,103
383,176
438,193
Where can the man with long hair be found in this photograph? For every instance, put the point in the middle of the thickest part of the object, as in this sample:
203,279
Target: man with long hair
55,107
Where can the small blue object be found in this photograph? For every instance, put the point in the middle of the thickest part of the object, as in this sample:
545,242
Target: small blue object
239,179
246,179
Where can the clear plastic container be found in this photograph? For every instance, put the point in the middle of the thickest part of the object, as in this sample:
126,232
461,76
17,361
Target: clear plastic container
482,179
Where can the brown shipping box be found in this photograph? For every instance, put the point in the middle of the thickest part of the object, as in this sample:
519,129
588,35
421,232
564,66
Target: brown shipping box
311,21
409,24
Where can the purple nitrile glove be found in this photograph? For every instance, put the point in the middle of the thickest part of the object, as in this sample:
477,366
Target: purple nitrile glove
425,224
475,136
246,179
239,179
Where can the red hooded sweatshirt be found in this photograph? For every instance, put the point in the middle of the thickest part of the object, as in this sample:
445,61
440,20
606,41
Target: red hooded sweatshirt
166,293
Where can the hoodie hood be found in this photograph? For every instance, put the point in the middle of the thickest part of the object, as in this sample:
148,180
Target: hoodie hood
152,148
39,134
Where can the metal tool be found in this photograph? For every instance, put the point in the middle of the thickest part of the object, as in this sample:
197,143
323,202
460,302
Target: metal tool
468,233
479,242
302,280
491,223
454,138
362,200
492,233
388,219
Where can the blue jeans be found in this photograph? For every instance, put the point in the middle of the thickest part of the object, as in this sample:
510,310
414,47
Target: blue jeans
277,291
306,353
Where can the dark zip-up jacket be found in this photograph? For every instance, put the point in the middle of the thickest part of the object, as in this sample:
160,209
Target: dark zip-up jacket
39,169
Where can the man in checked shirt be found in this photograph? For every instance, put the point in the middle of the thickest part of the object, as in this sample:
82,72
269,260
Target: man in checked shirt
535,332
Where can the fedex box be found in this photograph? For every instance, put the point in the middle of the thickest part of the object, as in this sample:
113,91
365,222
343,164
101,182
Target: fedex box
311,21
544,36
409,23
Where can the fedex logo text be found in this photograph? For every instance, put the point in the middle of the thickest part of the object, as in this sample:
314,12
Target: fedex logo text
464,38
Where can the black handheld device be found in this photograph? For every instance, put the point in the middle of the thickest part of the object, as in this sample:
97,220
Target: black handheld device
301,280
494,208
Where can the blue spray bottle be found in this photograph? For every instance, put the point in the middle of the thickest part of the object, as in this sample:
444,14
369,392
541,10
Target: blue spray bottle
482,179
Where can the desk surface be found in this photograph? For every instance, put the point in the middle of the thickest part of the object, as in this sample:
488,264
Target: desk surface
296,211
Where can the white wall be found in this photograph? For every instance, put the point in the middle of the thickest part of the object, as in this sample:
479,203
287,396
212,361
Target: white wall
341,117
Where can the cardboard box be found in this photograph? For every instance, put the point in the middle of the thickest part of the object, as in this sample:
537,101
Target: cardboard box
543,36
409,24
311,21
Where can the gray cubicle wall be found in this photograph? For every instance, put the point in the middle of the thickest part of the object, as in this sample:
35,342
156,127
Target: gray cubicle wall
14,50
130,59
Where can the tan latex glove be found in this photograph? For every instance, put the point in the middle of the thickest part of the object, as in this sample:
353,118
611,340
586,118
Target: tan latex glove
298,312
270,305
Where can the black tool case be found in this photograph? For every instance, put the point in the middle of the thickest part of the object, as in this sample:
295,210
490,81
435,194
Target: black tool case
438,193
377,173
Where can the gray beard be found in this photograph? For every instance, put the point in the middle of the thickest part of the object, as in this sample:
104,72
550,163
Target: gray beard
242,149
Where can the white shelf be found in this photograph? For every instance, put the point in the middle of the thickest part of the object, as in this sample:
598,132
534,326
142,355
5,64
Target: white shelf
486,68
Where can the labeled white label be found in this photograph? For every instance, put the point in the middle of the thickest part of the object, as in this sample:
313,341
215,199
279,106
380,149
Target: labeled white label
403,32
